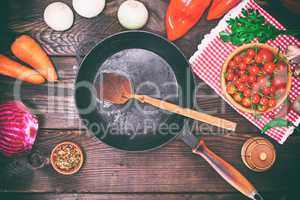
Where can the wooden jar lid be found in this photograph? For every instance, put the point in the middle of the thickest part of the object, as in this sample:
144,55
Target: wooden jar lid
258,154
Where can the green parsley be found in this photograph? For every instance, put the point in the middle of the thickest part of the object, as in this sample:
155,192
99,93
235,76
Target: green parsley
252,25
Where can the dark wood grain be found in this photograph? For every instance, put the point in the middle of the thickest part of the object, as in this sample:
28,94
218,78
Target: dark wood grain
30,19
178,196
170,169
171,172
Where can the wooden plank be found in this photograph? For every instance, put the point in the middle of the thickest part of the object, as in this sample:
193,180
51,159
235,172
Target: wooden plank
179,196
30,19
54,103
172,168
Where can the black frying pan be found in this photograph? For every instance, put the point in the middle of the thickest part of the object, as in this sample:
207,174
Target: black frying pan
156,68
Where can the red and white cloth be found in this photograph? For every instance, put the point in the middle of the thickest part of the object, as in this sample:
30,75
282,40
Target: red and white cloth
207,63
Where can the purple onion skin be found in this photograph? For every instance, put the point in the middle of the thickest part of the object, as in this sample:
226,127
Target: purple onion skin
18,128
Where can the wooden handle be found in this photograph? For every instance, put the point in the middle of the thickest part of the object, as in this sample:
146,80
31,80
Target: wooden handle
215,121
227,171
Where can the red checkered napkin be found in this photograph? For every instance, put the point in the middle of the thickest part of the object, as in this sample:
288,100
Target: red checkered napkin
212,52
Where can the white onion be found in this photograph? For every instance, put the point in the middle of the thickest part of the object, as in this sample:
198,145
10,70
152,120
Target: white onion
132,14
59,16
88,8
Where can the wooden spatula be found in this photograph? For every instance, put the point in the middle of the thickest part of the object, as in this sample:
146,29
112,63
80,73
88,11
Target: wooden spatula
117,89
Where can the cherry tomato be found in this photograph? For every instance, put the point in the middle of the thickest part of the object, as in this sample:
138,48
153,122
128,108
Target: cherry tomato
272,103
255,87
238,59
262,81
282,68
242,72
231,63
263,56
244,78
266,91
255,98
237,82
241,87
246,101
262,108
264,101
243,66
237,97
231,89
252,79
230,76
254,70
279,81
272,89
247,92
247,60
269,67
251,53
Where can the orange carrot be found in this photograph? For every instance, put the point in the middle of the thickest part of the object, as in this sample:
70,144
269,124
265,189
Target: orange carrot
11,68
29,51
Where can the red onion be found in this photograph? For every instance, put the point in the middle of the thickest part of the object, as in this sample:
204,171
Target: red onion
18,128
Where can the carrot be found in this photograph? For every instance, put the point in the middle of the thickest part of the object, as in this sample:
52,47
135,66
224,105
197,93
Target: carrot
29,51
11,68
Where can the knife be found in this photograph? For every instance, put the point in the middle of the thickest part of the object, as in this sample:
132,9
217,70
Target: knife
222,167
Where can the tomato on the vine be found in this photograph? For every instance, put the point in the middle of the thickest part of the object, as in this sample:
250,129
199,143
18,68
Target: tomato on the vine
241,87
279,81
281,67
272,103
251,53
231,63
272,89
264,56
247,60
247,92
252,79
255,87
266,91
238,59
254,70
237,97
241,72
244,78
246,101
231,89
269,67
262,108
264,101
230,76
255,98
243,66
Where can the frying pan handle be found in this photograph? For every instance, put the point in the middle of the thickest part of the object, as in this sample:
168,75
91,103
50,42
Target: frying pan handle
215,121
227,171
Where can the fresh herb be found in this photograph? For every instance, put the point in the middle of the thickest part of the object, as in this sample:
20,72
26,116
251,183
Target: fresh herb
252,25
276,123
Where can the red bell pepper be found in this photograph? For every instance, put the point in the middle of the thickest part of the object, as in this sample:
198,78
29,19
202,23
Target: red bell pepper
182,15
220,7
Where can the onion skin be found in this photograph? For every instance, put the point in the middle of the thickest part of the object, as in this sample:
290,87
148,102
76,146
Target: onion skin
18,128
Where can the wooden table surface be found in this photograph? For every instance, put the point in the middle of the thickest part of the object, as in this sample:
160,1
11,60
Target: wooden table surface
171,172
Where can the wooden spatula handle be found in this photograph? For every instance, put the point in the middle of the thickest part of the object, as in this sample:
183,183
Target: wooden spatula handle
215,121
227,171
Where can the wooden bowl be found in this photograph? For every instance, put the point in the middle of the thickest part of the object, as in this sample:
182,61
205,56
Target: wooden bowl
239,50
63,172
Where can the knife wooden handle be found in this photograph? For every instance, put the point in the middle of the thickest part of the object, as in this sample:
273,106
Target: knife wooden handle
227,171
215,121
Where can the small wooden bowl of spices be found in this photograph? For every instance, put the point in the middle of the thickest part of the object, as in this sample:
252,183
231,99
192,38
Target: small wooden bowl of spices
67,158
